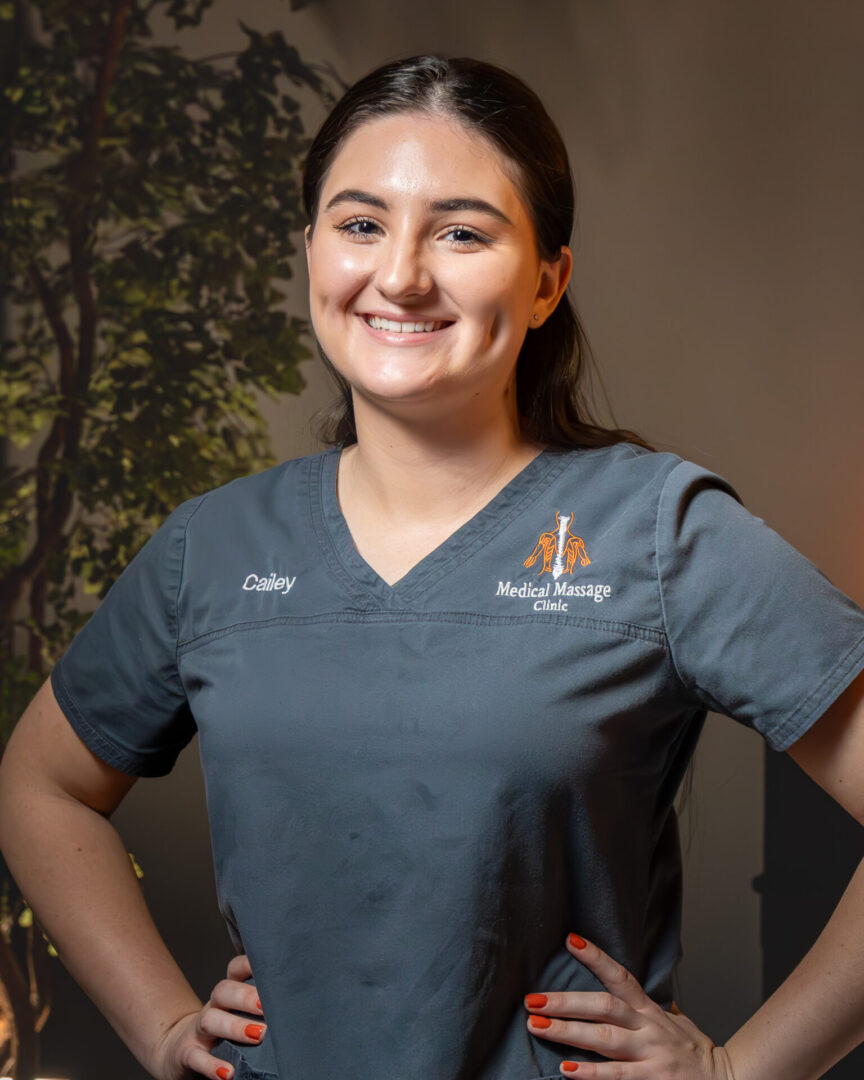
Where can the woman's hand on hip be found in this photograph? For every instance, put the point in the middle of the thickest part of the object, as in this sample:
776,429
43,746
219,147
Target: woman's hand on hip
641,1040
185,1048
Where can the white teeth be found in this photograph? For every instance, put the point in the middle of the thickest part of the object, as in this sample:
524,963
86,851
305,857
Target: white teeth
377,323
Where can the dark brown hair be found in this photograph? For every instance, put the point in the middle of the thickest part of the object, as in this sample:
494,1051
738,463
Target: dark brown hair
553,369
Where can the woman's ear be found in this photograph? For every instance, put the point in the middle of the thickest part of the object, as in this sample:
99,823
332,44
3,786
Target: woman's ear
553,279
307,236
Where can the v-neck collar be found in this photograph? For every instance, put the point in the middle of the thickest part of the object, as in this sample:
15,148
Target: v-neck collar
363,582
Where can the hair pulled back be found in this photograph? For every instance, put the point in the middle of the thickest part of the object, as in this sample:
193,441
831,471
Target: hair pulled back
552,373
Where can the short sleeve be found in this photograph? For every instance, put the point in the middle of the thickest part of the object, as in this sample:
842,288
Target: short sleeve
756,630
118,683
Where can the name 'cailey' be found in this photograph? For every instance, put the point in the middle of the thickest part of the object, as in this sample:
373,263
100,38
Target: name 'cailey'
271,583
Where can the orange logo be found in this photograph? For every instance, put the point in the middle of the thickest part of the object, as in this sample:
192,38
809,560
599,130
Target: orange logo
559,549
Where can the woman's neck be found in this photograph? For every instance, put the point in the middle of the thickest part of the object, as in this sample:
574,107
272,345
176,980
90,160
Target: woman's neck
405,488
432,472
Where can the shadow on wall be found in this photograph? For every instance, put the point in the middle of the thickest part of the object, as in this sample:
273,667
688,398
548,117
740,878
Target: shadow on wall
566,51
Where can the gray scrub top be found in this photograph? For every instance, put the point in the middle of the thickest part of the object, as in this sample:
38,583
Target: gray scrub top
416,791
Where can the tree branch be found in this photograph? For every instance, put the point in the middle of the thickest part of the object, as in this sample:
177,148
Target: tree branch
113,46
217,56
54,315
53,506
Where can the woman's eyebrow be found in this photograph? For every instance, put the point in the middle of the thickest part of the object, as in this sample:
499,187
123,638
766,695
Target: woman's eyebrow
446,206
439,206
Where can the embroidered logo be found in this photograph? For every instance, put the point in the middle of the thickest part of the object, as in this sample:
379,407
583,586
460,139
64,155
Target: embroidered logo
559,549
558,552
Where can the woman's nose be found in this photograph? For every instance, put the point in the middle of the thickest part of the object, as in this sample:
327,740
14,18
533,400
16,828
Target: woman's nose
404,270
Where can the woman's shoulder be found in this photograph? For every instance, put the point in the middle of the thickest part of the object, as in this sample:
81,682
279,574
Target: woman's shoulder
283,482
628,474
624,458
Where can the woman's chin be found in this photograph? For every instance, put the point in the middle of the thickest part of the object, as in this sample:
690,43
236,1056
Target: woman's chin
402,397
399,383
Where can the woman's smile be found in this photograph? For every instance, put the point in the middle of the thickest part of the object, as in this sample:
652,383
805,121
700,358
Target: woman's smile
397,330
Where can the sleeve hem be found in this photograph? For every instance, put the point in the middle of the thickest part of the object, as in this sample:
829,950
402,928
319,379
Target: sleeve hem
819,700
118,757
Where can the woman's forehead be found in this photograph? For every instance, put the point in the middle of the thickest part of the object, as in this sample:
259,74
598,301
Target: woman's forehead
422,155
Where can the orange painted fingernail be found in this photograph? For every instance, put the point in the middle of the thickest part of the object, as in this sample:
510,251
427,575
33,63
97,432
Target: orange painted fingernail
570,1066
535,1001
253,1031
223,1073
258,1005
576,941
540,1022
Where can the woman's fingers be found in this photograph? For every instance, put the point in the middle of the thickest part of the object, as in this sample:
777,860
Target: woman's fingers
616,978
239,968
186,1047
239,996
625,1025
604,1070
613,1024
218,1019
582,1005
220,1024
199,1062
606,1039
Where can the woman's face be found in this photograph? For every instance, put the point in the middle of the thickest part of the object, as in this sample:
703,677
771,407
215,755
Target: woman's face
419,222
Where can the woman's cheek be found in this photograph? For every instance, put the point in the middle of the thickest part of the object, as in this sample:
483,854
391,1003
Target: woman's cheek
336,270
350,265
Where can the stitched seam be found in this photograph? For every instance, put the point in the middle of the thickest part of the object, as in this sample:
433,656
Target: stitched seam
355,589
195,510
95,736
835,676
113,753
684,682
634,631
468,546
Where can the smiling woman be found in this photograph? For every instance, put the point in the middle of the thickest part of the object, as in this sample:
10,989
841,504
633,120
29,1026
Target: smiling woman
422,226
446,675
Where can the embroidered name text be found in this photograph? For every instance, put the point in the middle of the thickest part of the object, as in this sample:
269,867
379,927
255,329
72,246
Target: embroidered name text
268,583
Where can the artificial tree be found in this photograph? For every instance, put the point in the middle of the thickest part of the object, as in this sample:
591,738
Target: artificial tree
147,204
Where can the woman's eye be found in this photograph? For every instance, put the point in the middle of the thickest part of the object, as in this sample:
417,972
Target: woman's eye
458,236
463,237
358,227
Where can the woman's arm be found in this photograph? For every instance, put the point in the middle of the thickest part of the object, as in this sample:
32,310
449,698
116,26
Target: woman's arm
811,1021
55,800
817,1015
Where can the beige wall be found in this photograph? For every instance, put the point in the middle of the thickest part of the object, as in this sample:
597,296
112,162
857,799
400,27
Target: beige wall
717,147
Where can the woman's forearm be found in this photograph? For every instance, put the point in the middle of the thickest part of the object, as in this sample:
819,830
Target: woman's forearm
816,1016
73,868
75,872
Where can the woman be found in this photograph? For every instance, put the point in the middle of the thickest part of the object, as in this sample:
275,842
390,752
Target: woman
446,678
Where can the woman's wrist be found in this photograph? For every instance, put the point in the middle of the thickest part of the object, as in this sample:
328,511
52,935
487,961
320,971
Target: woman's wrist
162,1059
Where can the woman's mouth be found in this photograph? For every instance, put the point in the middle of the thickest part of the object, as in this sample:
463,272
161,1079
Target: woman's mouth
414,326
